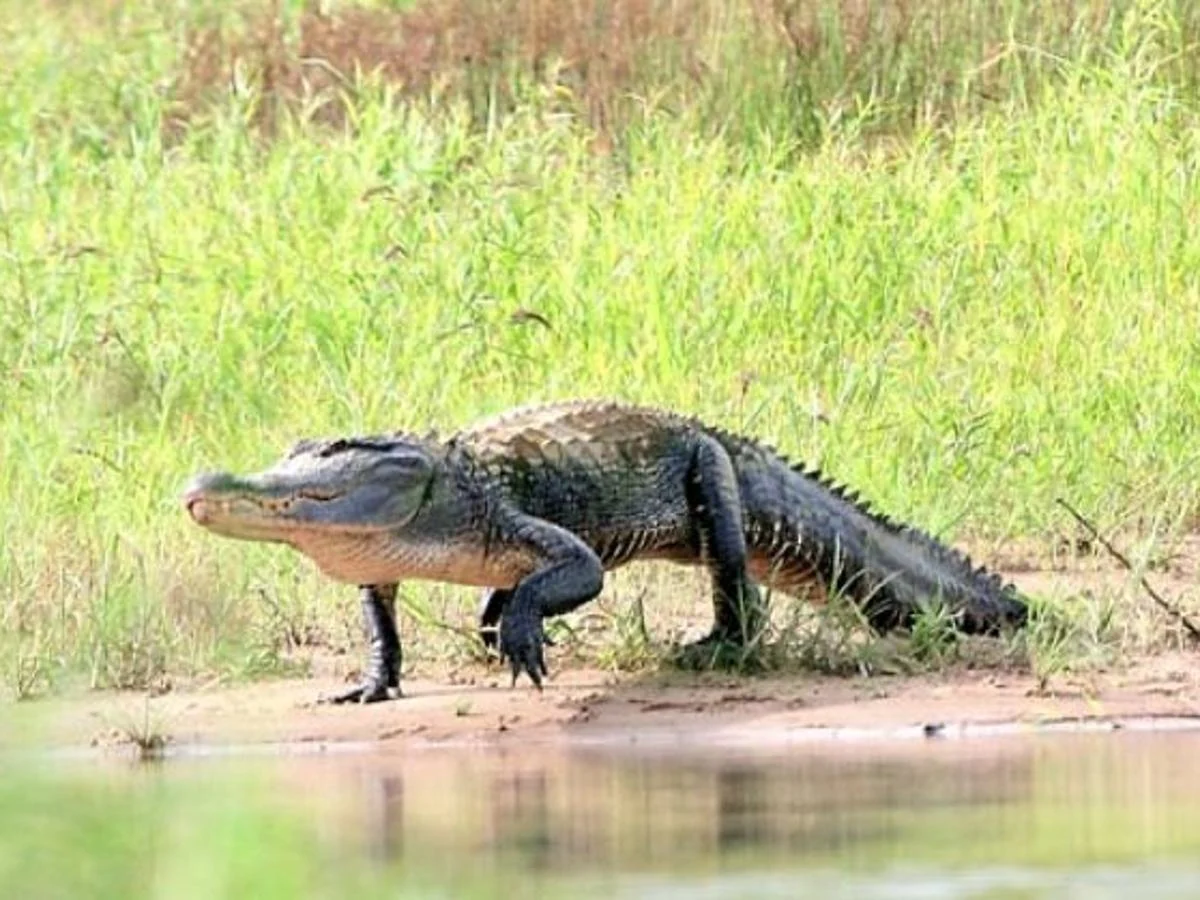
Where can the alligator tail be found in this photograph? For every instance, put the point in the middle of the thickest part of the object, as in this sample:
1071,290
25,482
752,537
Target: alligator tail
806,524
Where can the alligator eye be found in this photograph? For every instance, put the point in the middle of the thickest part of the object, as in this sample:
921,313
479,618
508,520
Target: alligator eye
333,447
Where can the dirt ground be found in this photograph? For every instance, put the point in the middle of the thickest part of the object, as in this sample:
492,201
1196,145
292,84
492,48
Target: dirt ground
587,705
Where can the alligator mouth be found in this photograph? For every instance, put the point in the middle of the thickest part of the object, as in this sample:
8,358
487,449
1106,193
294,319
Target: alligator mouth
209,507
233,517
252,519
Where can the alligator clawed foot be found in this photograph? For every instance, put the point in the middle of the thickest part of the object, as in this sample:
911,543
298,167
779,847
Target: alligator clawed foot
490,638
522,642
370,691
717,649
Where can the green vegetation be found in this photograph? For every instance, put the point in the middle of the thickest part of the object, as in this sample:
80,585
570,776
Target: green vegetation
964,296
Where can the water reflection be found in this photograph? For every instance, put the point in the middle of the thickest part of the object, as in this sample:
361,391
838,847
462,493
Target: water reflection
1039,801
1058,817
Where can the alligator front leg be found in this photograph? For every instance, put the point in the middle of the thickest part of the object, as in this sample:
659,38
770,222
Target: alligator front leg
384,658
491,609
715,502
570,575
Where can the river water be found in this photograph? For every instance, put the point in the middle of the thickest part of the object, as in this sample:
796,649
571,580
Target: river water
1022,816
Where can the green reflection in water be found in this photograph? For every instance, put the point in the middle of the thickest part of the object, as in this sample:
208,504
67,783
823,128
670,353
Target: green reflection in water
1035,817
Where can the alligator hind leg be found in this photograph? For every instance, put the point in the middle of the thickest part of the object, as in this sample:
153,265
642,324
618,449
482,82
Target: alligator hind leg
715,503
491,608
383,662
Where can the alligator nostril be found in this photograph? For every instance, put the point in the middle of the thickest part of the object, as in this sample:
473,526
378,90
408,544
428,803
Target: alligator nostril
196,507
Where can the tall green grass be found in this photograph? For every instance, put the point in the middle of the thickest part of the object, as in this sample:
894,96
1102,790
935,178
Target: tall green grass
963,324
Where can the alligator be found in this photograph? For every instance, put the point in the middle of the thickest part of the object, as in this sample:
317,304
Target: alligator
534,505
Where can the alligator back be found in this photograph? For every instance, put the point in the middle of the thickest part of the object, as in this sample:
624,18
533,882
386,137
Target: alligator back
610,473
614,474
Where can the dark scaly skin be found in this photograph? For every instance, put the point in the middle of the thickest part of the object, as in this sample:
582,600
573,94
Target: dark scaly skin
537,504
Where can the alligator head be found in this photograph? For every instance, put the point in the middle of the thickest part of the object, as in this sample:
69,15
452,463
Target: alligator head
345,485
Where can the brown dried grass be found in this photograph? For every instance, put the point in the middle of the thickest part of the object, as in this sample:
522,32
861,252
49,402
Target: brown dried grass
592,51
760,60
595,53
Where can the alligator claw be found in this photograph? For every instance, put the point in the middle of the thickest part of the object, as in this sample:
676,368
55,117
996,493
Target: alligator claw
370,691
522,643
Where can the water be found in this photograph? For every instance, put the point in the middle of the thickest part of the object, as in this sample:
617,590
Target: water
1042,816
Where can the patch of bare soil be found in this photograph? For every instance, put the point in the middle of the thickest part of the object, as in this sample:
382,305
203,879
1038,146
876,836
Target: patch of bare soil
591,705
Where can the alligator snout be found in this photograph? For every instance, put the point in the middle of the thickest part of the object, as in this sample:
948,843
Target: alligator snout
199,491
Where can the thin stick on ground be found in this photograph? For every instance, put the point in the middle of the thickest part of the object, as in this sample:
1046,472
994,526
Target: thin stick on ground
1166,605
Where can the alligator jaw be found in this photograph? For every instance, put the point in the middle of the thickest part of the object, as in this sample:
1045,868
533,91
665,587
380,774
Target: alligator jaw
231,507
